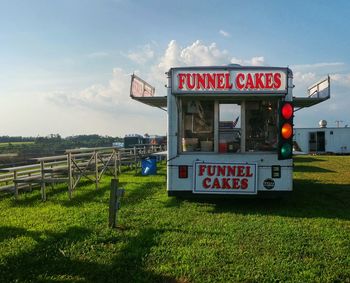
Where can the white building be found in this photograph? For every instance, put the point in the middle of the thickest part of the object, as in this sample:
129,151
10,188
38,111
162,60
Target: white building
322,140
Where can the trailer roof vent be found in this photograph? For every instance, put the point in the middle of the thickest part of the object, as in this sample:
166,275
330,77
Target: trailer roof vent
322,123
234,65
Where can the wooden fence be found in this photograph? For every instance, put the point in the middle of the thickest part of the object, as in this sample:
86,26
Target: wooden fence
89,163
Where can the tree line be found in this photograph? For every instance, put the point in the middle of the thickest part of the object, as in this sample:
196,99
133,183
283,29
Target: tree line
86,140
53,144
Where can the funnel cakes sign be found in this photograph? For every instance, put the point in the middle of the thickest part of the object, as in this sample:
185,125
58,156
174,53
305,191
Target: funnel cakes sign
231,81
230,178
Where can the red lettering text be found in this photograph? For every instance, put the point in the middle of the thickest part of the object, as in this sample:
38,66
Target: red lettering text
239,81
235,183
221,170
204,81
240,171
206,183
247,172
201,169
181,80
244,184
277,79
268,80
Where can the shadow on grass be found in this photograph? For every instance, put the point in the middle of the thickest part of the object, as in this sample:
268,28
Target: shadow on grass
307,159
160,172
307,168
8,232
308,200
59,194
81,197
46,259
142,192
129,265
69,256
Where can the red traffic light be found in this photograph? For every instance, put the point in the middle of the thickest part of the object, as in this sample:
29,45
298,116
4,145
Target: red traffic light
287,111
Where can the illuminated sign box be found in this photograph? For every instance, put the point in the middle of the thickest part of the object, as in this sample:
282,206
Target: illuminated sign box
270,81
140,88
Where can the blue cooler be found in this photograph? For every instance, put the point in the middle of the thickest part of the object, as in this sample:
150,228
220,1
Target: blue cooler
149,166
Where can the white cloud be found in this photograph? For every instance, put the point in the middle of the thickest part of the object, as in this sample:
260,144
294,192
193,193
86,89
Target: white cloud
258,61
109,108
254,61
317,65
304,78
339,82
99,54
142,54
342,79
99,97
196,54
224,33
171,57
303,81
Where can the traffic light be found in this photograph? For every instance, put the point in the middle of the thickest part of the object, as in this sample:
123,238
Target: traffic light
285,135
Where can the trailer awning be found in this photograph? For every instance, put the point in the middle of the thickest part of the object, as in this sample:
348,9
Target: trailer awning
155,101
302,102
144,92
317,93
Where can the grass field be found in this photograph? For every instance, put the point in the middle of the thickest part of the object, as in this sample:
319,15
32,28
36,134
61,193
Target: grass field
305,238
6,144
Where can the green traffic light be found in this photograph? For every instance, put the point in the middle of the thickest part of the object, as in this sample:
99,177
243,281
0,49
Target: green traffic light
286,150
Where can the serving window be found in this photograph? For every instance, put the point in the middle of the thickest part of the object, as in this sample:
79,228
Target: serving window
229,127
261,125
198,125
208,125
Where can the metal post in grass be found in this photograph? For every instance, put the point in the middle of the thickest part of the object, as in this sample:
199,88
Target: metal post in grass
115,169
135,159
70,175
15,184
43,185
114,202
96,170
119,162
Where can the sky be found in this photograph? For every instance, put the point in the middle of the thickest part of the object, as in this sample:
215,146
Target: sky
65,65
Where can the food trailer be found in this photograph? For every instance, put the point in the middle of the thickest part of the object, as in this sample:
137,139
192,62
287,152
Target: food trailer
230,128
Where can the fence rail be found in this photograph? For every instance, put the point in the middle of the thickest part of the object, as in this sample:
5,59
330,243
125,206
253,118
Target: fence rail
70,168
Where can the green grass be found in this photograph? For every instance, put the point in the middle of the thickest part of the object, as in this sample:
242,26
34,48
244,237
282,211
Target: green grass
305,238
13,147
6,144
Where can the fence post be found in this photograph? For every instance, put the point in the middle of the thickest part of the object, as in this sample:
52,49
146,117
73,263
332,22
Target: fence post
114,202
70,175
119,162
96,170
43,186
115,163
15,184
136,151
30,184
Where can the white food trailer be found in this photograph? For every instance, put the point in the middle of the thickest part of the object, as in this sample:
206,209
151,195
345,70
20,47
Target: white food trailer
230,128
332,140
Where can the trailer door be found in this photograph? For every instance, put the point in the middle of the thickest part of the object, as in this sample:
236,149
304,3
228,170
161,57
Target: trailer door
321,144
